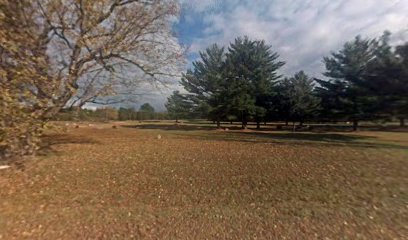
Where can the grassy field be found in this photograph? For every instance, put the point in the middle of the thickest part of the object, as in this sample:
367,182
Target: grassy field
96,182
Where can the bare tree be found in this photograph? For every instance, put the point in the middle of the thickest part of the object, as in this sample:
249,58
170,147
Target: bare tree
58,53
105,47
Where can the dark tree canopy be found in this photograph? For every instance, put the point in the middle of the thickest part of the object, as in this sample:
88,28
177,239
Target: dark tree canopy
146,107
205,83
251,72
178,106
388,79
365,80
296,99
344,94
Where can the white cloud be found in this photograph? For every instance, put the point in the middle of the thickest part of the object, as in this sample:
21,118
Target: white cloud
302,31
201,5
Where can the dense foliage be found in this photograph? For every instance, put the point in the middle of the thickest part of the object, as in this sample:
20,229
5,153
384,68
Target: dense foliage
237,83
365,80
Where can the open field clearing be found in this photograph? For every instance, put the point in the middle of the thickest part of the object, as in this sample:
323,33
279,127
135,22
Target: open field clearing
96,182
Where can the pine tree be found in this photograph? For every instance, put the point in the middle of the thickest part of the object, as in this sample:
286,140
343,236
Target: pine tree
297,98
402,85
345,94
205,84
146,111
178,106
388,79
251,72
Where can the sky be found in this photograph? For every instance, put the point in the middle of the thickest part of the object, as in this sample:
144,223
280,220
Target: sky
301,31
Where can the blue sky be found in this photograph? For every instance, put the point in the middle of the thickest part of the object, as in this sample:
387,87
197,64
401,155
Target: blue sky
301,31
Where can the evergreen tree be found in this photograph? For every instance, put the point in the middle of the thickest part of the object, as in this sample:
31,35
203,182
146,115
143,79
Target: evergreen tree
178,106
146,107
146,111
402,85
297,98
205,83
345,93
251,72
388,79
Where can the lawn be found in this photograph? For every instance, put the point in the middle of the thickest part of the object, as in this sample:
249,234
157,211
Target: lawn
97,182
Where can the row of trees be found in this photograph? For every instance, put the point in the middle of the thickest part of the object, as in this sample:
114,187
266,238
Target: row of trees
367,79
145,112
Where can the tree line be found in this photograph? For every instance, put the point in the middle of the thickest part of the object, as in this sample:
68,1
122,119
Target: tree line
367,79
145,112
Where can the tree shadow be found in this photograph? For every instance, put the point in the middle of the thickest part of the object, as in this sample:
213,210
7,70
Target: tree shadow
302,139
321,136
174,127
58,139
301,136
47,148
312,128
51,140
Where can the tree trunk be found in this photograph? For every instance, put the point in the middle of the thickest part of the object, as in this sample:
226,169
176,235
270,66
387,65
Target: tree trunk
294,127
286,123
258,125
355,125
244,123
402,122
231,122
264,123
218,124
77,114
243,120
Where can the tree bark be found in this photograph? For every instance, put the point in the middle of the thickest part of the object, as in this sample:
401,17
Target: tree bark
355,125
294,127
286,123
218,124
258,125
402,122
243,120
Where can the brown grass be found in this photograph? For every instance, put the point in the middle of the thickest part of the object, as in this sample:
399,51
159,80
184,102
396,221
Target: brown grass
103,183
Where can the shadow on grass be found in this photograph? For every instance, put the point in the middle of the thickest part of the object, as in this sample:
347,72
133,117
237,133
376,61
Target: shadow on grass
51,140
301,139
174,127
272,135
58,139
299,136
46,148
326,140
316,128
